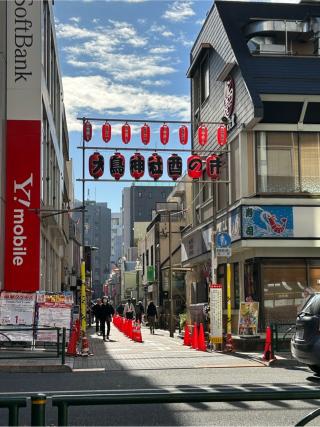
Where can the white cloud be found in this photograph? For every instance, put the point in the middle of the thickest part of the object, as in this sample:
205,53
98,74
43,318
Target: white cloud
162,49
104,48
76,19
167,34
99,95
155,82
179,11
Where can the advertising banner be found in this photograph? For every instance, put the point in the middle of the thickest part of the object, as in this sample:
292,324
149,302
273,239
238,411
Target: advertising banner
17,309
53,310
248,318
216,331
23,146
267,221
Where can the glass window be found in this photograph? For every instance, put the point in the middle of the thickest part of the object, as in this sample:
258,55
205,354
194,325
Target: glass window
205,79
288,162
277,157
223,188
283,284
309,150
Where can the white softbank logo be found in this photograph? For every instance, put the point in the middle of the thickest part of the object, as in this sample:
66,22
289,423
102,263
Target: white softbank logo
22,196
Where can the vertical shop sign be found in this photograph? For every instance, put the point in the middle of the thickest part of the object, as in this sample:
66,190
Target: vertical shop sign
216,313
23,146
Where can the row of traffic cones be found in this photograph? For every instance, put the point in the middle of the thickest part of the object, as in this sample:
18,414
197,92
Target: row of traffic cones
196,340
128,327
74,339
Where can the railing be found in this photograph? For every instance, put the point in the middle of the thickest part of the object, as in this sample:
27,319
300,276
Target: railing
281,328
16,348
63,402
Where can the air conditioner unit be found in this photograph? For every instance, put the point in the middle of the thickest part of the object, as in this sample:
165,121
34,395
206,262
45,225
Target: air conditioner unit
272,48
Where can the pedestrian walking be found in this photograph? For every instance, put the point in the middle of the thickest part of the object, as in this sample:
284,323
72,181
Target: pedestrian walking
120,309
152,315
96,310
129,311
139,311
107,311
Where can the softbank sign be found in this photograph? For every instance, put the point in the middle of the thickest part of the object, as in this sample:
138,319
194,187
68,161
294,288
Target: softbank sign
22,233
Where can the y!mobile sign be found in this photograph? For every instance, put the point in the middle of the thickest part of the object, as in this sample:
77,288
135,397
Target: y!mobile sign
22,238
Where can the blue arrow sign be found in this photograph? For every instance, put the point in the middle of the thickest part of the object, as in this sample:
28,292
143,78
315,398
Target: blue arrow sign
223,240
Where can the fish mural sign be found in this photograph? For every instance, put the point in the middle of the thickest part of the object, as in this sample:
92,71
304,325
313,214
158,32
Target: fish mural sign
267,221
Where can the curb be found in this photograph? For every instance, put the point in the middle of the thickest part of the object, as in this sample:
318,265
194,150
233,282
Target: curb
35,369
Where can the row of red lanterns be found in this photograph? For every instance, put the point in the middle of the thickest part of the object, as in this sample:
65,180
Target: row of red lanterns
222,133
155,166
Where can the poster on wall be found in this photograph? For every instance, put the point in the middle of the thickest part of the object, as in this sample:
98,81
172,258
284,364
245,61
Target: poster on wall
216,313
267,221
17,309
53,310
248,318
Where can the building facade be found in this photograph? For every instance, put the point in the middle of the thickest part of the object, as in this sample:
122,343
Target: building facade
35,186
256,66
116,238
97,237
138,204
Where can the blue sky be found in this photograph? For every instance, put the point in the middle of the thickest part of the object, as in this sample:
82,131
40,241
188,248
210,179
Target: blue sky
125,59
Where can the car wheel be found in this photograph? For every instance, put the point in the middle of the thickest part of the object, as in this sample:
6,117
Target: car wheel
315,368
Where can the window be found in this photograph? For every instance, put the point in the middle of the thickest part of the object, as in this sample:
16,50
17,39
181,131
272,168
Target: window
223,196
152,263
147,257
140,194
288,162
204,79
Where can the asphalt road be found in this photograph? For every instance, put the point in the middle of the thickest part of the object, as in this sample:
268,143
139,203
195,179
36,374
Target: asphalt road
161,362
284,413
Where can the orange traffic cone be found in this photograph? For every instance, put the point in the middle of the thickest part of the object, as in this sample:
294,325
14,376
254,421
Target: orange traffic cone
134,331
138,335
186,338
201,341
130,331
72,345
268,350
194,339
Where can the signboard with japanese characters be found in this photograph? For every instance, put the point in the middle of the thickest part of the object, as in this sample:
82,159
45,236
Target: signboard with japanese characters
248,318
53,310
267,221
17,310
216,313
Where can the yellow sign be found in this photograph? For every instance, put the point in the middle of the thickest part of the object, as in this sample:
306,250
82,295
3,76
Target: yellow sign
216,340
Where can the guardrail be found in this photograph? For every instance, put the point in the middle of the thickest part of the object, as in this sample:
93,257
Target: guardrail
7,345
277,329
63,402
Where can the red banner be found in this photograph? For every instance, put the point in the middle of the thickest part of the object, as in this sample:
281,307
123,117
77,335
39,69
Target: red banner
22,231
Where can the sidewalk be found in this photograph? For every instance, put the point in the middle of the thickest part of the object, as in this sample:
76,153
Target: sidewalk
157,351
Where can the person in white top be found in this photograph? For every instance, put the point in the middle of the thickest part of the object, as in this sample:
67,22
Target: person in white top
129,311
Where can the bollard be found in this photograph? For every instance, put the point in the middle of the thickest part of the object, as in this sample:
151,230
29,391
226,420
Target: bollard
38,409
63,350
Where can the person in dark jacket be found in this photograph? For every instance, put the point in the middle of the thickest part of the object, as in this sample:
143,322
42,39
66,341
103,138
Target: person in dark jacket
120,309
152,315
96,310
139,311
107,311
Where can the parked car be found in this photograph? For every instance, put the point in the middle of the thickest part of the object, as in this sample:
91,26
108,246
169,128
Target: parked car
305,343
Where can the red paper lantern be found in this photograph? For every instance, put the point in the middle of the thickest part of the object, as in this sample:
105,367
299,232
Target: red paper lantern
194,166
155,166
117,166
126,133
164,134
222,135
106,132
87,130
183,135
137,164
145,134
213,166
96,165
202,134
174,165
